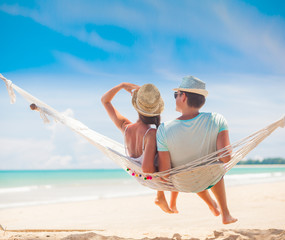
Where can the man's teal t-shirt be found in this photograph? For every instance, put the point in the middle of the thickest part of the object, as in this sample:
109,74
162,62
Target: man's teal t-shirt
188,140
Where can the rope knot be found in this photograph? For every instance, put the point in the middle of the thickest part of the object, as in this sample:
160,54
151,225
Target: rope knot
41,111
9,86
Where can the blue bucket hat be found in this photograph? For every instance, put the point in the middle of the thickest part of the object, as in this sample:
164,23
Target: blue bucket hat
194,85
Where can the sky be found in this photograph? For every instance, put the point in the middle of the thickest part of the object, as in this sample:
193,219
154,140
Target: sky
69,53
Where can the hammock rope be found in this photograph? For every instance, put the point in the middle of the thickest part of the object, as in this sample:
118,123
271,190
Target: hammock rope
194,176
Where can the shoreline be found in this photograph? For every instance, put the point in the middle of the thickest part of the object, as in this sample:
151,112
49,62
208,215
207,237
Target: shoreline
118,168
260,165
259,207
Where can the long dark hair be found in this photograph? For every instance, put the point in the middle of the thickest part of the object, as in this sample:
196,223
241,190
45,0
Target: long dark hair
150,120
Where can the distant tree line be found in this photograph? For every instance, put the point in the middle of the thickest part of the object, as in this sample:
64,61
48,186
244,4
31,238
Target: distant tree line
264,161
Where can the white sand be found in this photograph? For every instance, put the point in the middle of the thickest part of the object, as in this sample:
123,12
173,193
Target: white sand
260,209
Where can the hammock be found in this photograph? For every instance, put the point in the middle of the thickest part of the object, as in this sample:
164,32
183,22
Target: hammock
195,176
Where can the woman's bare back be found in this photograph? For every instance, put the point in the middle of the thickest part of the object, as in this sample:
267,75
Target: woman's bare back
134,138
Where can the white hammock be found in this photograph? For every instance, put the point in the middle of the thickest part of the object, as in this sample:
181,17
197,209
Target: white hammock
193,177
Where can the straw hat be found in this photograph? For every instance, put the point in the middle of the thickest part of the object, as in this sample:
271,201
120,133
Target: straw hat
147,101
193,85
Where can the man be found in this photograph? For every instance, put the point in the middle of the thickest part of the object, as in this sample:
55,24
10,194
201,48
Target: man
191,136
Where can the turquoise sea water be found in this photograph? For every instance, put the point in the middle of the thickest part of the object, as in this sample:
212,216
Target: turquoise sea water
25,188
26,177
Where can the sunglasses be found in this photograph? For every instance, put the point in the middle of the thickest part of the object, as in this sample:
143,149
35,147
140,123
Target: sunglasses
177,93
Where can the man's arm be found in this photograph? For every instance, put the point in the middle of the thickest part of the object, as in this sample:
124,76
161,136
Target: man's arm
223,140
164,159
164,162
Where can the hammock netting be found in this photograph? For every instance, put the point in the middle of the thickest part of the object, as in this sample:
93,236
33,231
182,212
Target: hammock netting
194,176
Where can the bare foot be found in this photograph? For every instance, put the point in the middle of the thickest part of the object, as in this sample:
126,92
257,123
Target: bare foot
215,209
174,209
161,202
229,219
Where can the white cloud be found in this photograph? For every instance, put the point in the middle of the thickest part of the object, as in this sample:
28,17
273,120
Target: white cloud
43,16
58,161
29,144
254,38
24,153
257,36
63,150
94,39
81,66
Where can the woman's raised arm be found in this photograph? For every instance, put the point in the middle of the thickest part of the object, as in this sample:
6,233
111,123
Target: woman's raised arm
119,120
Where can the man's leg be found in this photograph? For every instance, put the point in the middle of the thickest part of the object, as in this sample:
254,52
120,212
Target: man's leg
173,198
206,197
220,194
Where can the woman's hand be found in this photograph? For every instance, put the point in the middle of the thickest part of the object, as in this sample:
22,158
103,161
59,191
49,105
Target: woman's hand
130,87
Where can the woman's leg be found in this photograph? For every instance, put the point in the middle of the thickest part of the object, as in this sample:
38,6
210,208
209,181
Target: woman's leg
220,194
162,203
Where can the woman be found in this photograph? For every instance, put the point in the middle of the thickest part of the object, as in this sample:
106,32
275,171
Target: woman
140,138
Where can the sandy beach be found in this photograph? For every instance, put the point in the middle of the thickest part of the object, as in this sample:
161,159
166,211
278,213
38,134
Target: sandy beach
260,209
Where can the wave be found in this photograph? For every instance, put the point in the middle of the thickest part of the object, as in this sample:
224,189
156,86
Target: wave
256,175
23,189
33,203
73,199
253,178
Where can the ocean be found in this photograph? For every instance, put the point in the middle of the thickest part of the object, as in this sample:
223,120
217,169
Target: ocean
37,187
